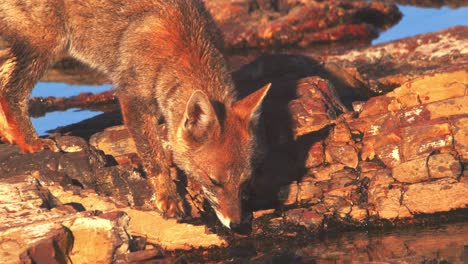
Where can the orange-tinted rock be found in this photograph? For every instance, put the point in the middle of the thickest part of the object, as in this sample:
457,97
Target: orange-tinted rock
390,65
316,106
71,144
288,194
428,89
345,192
98,239
366,166
115,141
306,217
438,196
460,134
375,106
263,24
419,141
310,191
385,147
52,248
324,173
358,214
385,196
450,107
33,233
389,155
337,204
315,155
411,171
344,154
168,233
444,165
340,133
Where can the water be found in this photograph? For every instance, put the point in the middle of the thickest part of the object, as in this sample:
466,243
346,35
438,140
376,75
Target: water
418,20
62,118
441,244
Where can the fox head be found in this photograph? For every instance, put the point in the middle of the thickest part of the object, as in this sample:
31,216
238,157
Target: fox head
217,151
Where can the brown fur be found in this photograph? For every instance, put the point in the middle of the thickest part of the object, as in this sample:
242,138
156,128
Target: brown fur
165,58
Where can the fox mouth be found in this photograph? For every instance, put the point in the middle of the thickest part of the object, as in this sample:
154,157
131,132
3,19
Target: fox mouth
213,201
224,220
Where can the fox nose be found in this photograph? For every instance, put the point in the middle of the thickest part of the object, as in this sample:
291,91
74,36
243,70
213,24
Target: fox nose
241,228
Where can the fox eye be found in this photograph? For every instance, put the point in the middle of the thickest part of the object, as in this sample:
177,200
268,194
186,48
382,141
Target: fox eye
215,182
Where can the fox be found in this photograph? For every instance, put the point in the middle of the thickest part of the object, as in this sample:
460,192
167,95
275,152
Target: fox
165,59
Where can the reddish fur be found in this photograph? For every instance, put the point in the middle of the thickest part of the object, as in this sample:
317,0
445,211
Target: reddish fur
13,134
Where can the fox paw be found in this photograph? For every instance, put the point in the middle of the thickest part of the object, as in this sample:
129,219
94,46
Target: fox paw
166,198
170,205
38,145
35,146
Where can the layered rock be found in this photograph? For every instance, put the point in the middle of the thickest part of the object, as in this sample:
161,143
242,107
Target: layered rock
406,157
51,213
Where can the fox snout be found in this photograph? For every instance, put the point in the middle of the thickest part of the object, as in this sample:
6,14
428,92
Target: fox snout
230,207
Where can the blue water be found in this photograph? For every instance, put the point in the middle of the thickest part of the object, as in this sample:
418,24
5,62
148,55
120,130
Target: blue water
417,20
61,118
66,90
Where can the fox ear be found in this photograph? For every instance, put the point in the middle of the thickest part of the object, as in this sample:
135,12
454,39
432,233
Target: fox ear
249,107
199,117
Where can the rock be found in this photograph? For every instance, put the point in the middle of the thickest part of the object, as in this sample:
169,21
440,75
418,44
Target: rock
460,135
306,217
53,247
288,194
420,140
427,89
385,195
324,173
315,107
115,141
71,144
38,226
259,25
344,154
169,234
358,214
38,234
337,205
98,239
438,196
260,213
411,171
389,65
310,191
444,165
315,155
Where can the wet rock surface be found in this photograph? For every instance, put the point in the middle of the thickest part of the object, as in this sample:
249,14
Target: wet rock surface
342,155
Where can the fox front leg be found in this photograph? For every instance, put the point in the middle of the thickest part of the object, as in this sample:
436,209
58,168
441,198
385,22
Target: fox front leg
20,68
141,118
